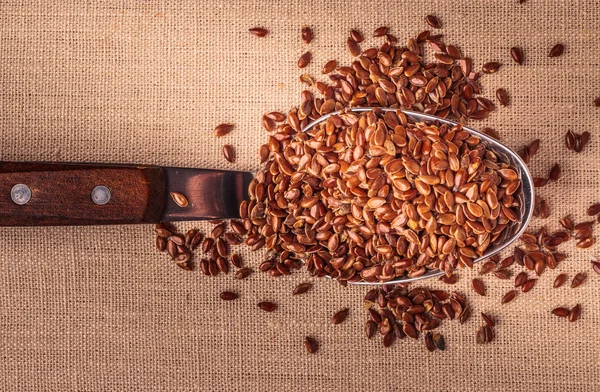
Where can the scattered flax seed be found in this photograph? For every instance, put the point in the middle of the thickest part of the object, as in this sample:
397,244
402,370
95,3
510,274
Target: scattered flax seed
478,286
259,31
517,54
596,267
306,34
485,334
429,344
594,209
439,341
452,279
488,320
487,267
267,306
340,316
304,60
329,67
356,36
502,274
380,31
353,47
307,79
560,312
228,296
433,21
491,67
509,296
578,280
528,285
311,345
243,273
574,313
560,280
491,132
229,153
502,97
370,328
223,129
554,172
557,50
302,288
520,279
570,140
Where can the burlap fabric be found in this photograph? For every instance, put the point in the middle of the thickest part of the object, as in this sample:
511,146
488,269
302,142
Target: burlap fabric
99,308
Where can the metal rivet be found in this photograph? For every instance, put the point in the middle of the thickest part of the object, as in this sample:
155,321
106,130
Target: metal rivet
20,194
100,195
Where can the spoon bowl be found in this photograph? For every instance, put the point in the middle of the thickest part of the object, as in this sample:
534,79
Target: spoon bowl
525,195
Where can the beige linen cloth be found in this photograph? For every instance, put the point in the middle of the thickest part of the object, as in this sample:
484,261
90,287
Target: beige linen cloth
146,81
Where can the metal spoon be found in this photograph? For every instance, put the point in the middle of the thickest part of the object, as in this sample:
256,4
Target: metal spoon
525,195
50,194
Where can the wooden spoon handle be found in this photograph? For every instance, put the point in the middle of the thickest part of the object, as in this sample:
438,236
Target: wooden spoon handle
61,194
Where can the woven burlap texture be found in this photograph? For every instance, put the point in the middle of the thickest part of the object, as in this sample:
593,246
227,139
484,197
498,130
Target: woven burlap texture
98,308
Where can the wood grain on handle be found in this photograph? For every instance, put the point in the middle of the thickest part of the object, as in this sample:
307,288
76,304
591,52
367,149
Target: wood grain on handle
61,194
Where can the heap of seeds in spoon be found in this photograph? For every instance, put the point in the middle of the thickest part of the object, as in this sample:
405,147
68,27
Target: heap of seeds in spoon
374,196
